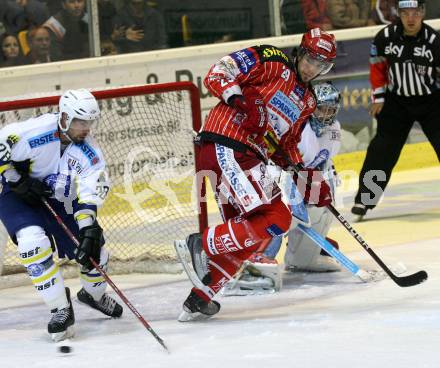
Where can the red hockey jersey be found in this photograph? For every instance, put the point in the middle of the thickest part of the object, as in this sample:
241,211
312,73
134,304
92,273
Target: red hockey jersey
272,73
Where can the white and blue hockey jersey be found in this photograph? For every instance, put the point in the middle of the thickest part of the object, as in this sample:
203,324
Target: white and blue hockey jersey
76,175
317,152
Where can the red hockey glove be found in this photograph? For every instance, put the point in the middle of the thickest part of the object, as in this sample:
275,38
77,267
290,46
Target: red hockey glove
313,187
332,242
252,105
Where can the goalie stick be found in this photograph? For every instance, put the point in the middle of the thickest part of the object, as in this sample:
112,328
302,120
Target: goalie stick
105,276
336,254
403,281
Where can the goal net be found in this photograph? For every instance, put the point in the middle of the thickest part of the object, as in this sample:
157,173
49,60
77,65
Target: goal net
146,134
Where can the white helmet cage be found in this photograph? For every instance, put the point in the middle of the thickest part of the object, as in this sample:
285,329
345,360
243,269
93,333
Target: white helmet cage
328,102
77,104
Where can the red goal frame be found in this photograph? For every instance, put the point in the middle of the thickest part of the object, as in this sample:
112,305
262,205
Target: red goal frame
135,91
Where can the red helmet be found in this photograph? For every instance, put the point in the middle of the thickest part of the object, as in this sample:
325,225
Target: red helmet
320,45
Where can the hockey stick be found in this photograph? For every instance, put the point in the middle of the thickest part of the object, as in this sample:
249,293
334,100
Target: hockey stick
335,253
105,276
403,281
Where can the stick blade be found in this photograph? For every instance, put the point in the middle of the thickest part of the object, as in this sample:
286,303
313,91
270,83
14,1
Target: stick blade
411,280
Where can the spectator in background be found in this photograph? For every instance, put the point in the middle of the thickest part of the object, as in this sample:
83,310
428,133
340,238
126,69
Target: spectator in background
33,13
10,53
108,47
39,43
315,14
143,28
9,16
384,12
54,6
106,12
69,31
432,9
349,13
292,16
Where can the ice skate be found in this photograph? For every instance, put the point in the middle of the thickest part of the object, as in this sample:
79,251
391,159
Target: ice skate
192,248
196,309
106,304
60,326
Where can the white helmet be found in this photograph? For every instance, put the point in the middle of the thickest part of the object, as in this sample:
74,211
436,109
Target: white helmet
77,104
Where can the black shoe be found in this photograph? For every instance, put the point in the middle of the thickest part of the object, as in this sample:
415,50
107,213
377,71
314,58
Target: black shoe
61,324
195,308
198,257
359,209
106,304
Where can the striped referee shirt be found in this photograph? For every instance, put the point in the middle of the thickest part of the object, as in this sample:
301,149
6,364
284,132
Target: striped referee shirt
404,65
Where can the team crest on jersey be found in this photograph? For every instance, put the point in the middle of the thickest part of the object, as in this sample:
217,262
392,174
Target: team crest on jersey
45,138
74,165
51,181
35,270
89,152
245,60
322,156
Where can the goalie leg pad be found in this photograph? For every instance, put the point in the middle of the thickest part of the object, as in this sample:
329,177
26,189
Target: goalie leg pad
258,278
302,253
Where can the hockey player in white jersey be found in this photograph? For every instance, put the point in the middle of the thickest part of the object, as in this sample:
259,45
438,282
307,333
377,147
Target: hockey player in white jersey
54,156
320,141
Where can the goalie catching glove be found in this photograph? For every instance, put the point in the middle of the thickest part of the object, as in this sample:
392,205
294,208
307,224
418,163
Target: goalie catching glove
90,241
313,187
251,104
30,190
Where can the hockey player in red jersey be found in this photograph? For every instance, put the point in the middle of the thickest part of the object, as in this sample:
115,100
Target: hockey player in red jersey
262,91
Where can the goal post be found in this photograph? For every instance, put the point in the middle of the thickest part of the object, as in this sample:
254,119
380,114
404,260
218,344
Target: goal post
146,134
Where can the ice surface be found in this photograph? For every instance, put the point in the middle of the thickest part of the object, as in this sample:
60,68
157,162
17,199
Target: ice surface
325,320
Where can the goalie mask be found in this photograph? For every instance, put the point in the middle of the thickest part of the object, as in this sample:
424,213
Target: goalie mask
77,104
328,102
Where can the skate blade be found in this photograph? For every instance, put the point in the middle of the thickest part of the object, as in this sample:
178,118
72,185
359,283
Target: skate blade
189,317
60,336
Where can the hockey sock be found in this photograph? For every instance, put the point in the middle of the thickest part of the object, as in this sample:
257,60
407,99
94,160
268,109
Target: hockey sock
35,254
92,281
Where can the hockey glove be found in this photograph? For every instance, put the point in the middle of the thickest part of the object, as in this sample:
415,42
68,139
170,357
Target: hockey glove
90,240
251,104
313,187
30,190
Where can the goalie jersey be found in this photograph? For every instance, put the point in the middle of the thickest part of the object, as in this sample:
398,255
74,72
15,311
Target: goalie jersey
75,173
317,151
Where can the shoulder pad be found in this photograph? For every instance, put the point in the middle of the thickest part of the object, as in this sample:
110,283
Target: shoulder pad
272,53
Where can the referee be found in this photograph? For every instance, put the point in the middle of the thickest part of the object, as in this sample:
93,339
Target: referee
405,80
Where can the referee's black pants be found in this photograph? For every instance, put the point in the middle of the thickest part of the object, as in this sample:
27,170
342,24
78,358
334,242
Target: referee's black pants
393,126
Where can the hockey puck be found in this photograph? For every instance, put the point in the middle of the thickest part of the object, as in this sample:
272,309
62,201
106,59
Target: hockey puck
65,349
